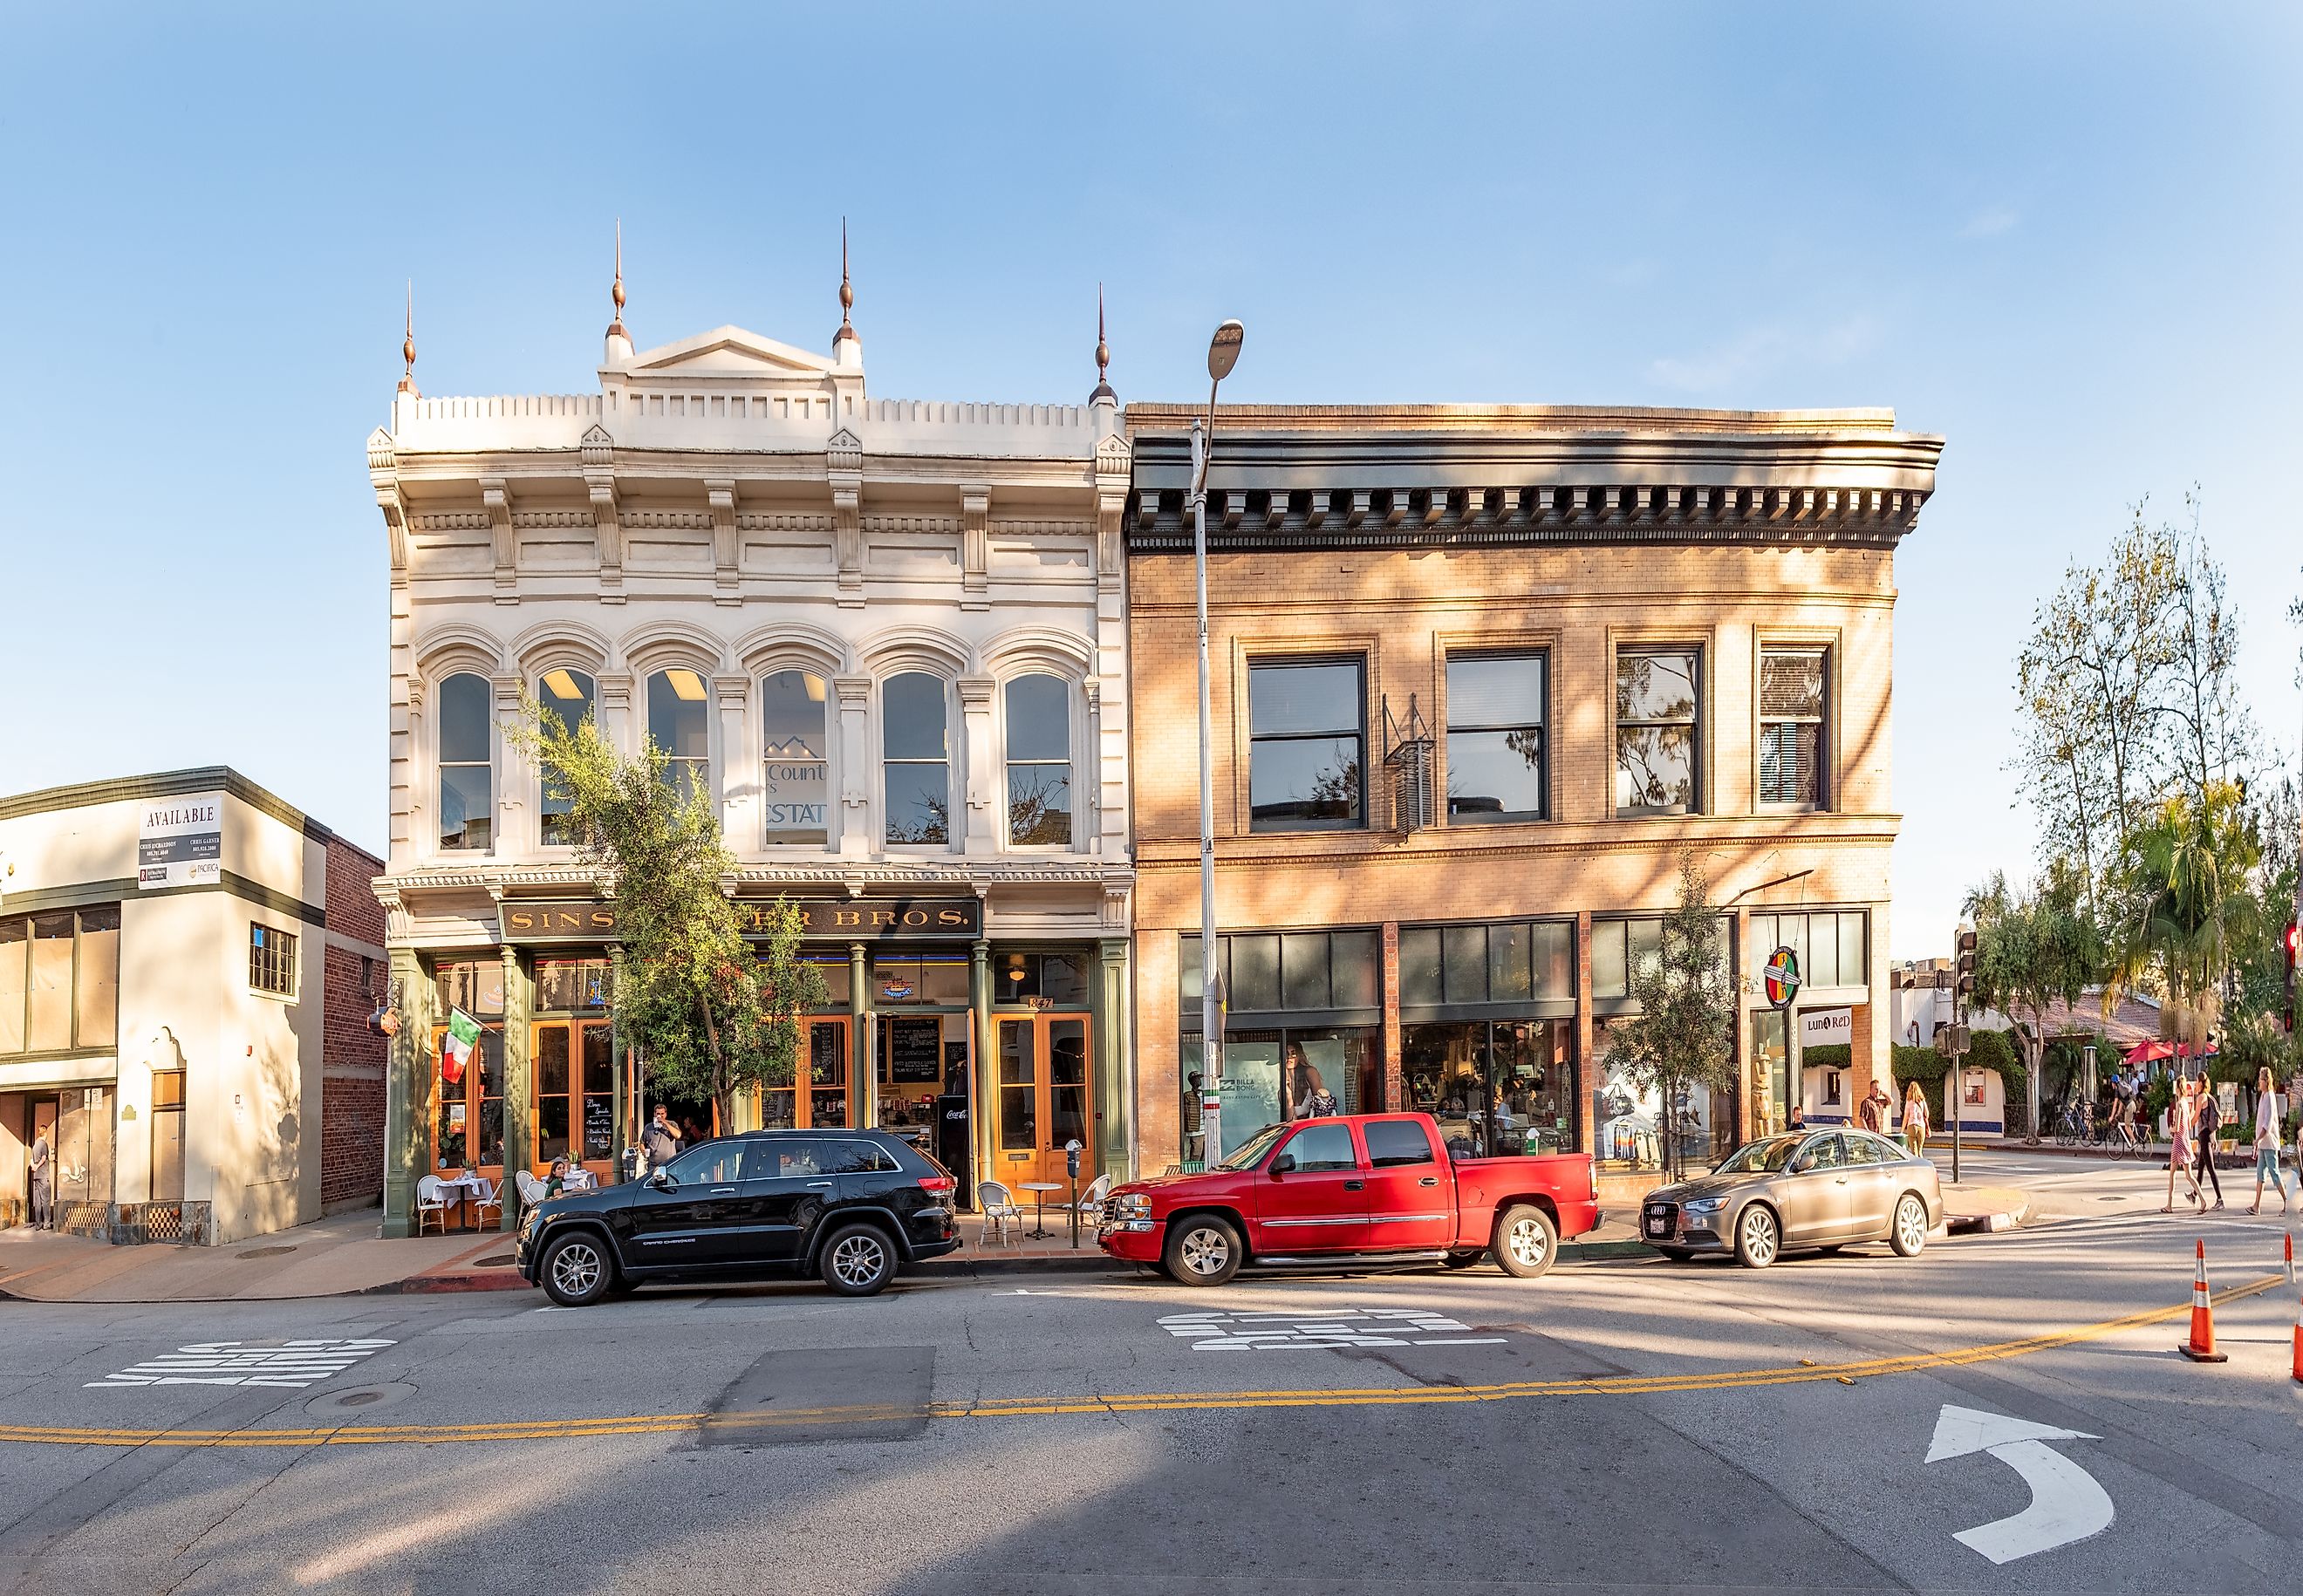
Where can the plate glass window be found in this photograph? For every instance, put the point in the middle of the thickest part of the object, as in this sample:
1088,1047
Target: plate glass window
566,694
1039,761
1495,768
272,960
1794,684
467,781
1657,730
797,774
60,980
1307,723
680,725
918,759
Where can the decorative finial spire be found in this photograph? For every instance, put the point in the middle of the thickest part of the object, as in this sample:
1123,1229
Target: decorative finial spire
847,289
616,323
408,345
1102,353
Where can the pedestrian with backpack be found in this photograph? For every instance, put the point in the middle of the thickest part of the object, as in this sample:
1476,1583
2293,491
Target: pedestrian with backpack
2209,1121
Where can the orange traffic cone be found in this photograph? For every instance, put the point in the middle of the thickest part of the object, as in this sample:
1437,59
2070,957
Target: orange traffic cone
2201,1347
2298,1345
2289,1239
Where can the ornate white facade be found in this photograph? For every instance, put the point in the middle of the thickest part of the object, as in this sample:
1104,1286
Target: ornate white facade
723,510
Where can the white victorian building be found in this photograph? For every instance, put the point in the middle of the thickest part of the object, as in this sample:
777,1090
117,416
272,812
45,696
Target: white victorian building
889,637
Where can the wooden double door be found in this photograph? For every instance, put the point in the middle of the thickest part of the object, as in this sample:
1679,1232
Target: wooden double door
818,1097
1041,1099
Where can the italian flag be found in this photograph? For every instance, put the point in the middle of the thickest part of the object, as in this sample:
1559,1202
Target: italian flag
456,1046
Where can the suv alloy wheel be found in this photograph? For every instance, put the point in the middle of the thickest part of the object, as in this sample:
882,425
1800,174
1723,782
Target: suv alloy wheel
578,1271
857,1261
1203,1250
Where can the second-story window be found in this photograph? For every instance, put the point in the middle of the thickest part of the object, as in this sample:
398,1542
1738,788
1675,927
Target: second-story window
796,785
1495,768
568,695
1794,685
467,781
680,725
1308,729
917,759
1039,713
1657,730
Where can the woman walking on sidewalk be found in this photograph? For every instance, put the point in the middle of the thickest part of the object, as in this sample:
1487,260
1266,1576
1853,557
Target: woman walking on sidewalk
2206,1124
2180,1111
1915,1119
2270,1119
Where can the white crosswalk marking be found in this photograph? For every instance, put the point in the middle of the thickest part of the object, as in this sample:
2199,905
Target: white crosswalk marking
289,1364
1212,1330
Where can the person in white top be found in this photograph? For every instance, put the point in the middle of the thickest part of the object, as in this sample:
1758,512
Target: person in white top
2270,1116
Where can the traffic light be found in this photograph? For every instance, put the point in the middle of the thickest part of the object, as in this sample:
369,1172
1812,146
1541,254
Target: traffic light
1963,983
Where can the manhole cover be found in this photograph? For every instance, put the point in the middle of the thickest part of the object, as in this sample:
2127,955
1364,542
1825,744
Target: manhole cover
359,1399
264,1252
504,1259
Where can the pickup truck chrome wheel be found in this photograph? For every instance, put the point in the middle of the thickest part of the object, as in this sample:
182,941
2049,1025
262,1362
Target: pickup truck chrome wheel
576,1272
1757,1240
1526,1241
857,1261
1203,1250
1911,1227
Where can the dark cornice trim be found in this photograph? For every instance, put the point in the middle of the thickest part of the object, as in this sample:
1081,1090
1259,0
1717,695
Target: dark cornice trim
124,891
170,784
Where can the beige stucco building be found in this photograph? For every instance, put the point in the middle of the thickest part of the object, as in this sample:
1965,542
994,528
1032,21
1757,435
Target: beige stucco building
1482,675
187,964
887,636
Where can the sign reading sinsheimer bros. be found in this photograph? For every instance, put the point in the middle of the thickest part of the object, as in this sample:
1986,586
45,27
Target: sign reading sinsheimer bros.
860,919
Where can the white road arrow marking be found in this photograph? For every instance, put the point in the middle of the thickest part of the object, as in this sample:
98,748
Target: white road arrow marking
2068,1503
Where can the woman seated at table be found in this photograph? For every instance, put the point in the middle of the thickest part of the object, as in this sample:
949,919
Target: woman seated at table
557,1182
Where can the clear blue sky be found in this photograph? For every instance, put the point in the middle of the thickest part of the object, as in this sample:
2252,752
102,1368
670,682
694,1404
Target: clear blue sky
2065,238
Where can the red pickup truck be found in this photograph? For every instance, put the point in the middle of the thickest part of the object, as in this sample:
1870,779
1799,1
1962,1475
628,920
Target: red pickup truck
1359,1187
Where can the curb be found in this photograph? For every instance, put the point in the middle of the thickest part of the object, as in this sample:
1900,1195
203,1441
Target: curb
418,1285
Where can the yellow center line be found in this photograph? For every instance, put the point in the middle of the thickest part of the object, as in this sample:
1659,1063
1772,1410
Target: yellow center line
993,1408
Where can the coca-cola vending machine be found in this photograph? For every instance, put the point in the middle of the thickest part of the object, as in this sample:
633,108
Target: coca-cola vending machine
955,1136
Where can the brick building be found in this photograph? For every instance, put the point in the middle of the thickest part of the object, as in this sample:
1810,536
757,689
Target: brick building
187,965
1482,677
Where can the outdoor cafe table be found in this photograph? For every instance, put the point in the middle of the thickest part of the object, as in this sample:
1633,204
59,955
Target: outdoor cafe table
1039,1190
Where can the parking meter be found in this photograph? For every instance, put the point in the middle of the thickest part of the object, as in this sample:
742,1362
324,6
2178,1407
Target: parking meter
1071,1168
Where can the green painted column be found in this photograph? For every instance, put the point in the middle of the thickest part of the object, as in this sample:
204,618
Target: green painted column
619,1063
860,1097
979,1000
408,1094
1115,1131
518,1085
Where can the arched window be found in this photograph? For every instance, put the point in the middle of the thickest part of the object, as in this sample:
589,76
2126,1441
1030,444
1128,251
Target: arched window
796,781
1039,761
567,695
677,723
918,759
467,777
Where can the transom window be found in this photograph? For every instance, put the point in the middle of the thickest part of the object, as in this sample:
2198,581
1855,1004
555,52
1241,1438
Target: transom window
1308,732
1794,686
916,751
1039,761
796,787
1657,730
567,695
680,725
467,785
1496,762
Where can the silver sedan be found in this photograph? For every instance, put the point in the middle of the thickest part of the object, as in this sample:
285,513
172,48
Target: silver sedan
1810,1189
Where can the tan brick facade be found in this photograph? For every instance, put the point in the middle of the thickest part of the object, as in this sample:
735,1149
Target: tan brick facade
1540,581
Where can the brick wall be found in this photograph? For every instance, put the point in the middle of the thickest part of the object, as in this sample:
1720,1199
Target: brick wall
352,1057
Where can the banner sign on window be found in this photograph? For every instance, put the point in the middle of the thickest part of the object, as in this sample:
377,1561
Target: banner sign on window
1827,1028
180,841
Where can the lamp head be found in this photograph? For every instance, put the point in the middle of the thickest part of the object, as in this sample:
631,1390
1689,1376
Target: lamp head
1223,350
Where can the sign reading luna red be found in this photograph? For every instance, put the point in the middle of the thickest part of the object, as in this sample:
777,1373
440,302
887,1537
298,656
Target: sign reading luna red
856,919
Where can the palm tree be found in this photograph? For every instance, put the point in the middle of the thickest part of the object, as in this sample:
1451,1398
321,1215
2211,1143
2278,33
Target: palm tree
2186,910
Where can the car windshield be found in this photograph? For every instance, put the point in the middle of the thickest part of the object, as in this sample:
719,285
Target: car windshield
1769,1156
1250,1152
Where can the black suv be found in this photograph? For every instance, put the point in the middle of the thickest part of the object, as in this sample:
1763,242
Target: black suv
850,1206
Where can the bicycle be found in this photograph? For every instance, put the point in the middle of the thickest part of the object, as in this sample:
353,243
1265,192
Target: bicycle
2070,1125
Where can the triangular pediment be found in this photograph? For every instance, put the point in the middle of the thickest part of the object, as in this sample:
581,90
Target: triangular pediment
732,352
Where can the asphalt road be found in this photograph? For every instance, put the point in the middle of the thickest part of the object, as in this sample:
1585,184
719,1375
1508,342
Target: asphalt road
1628,1425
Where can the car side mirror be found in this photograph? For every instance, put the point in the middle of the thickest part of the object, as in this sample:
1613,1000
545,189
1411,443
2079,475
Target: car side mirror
1282,1164
662,1179
1804,1163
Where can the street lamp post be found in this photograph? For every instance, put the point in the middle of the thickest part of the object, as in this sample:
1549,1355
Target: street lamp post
1223,353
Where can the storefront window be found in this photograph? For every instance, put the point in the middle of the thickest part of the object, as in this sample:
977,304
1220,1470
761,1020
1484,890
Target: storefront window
1507,962
1498,1088
60,980
911,1065
1830,944
1060,979
475,985
1631,1130
575,1093
469,1124
570,986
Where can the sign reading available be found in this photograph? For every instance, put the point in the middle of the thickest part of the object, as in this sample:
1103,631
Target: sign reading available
180,841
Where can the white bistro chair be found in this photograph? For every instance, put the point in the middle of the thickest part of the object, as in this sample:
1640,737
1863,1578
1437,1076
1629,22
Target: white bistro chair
530,1187
1091,1201
431,1200
999,1209
484,1197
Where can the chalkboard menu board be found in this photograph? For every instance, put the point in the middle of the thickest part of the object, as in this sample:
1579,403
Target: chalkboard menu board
599,1125
913,1056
